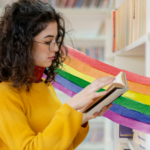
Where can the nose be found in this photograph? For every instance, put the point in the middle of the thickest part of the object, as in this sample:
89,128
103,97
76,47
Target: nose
56,48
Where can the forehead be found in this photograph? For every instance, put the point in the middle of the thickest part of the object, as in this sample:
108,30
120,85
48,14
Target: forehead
51,29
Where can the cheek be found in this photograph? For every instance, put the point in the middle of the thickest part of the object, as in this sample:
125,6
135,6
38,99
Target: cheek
40,54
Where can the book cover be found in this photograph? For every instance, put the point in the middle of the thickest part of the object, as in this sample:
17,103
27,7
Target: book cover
91,51
136,20
87,51
100,4
74,3
79,3
125,132
102,57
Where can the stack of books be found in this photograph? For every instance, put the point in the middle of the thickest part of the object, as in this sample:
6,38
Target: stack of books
129,23
80,3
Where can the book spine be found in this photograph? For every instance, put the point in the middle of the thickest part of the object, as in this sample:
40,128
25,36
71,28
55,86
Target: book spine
128,23
113,16
144,17
93,137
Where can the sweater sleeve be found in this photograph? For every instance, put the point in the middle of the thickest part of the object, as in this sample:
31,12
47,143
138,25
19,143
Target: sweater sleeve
81,135
17,134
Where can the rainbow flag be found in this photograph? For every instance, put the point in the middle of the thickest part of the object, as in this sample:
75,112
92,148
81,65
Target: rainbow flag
132,109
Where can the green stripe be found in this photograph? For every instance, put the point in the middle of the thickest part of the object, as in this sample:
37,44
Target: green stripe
122,101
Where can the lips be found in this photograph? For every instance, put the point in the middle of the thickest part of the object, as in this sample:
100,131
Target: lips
51,58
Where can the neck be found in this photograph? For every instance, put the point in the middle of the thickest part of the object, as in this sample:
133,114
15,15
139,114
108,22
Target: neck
38,73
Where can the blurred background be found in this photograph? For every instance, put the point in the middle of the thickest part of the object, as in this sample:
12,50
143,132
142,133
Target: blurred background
89,30
115,32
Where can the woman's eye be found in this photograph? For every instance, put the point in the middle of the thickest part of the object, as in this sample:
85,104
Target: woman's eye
48,42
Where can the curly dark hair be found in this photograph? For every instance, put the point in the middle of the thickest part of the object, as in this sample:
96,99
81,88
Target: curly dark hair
19,24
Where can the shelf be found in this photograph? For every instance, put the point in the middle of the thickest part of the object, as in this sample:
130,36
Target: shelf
83,10
97,120
133,145
89,38
91,146
87,41
137,48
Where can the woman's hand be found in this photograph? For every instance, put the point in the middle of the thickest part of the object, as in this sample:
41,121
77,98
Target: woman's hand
89,94
96,114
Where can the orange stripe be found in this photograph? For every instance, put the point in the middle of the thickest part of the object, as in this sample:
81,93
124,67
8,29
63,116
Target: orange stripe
88,70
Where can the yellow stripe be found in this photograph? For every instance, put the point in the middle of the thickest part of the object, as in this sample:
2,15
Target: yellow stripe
145,99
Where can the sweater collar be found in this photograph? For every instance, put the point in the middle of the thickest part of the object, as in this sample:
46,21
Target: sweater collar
38,72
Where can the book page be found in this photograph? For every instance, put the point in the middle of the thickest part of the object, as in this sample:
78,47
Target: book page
119,82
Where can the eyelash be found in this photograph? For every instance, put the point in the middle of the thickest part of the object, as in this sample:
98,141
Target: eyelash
48,42
51,41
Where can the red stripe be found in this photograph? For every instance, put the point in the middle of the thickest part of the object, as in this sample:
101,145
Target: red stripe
105,67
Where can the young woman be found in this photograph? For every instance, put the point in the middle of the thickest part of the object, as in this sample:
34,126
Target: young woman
31,115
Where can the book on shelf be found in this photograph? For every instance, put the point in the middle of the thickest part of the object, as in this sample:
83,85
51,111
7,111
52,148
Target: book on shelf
102,29
125,132
124,146
94,136
139,138
80,3
113,23
128,23
118,87
94,52
99,136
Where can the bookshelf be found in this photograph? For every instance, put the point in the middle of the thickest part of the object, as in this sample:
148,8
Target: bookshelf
135,58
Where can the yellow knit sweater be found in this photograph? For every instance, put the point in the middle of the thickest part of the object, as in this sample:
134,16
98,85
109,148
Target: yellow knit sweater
38,120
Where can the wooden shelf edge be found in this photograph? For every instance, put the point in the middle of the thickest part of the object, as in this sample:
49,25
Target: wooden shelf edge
138,43
86,38
83,10
91,146
133,145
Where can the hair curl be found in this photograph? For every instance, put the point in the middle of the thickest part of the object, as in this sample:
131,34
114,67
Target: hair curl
19,24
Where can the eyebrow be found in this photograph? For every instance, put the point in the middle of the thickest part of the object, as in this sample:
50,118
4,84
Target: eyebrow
49,36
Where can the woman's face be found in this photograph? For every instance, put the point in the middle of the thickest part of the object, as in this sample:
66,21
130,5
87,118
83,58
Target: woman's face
40,51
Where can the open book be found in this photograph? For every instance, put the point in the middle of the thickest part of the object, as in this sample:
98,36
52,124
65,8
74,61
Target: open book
118,87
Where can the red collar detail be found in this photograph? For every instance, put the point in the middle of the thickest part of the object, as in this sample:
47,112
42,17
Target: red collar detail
38,73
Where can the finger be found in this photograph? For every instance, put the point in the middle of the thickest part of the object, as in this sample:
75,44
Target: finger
100,84
109,106
95,95
105,78
102,111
